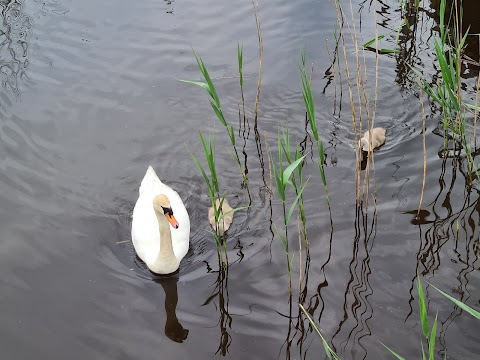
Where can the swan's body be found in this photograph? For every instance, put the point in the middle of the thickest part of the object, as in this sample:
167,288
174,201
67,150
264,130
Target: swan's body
226,221
377,140
157,242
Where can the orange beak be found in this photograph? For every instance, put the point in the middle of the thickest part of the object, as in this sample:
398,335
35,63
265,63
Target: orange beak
171,219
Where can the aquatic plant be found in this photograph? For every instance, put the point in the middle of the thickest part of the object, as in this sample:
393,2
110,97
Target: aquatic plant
328,350
428,332
260,66
211,181
358,91
214,100
310,108
458,303
408,9
447,91
297,177
240,77
282,179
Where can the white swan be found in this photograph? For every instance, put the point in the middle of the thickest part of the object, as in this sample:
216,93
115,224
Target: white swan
226,221
378,139
159,239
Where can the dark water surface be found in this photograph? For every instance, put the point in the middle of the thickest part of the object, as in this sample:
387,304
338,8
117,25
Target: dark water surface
90,99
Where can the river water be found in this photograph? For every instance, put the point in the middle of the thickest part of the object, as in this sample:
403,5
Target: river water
91,97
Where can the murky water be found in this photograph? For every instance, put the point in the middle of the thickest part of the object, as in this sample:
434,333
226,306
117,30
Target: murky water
90,98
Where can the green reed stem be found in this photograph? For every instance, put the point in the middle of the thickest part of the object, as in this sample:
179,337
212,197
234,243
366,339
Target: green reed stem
214,100
328,350
310,108
240,74
283,176
447,92
296,185
211,180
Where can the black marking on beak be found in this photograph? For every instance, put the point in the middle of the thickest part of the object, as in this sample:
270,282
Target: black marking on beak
167,211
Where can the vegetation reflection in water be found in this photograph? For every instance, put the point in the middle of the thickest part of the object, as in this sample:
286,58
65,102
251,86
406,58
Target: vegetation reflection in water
447,95
440,223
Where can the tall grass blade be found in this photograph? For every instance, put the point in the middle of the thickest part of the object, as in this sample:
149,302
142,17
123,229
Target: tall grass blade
240,63
278,181
292,207
328,350
206,75
431,342
200,167
221,216
423,309
290,169
198,83
461,305
370,42
219,113
392,352
282,239
424,357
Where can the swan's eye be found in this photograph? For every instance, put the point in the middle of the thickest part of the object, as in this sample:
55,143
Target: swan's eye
167,211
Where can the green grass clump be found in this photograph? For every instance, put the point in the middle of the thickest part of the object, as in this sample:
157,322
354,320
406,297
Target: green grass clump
429,333
328,350
297,176
283,177
310,108
447,92
240,74
214,100
211,181
458,303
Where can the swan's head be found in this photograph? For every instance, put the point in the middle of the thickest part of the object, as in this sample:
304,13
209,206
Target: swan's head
364,144
161,204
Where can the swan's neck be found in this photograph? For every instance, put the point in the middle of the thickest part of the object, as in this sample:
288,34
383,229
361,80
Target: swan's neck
364,144
165,262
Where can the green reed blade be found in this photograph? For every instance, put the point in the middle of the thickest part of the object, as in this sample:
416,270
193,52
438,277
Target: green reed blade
431,342
278,181
231,133
328,350
219,113
461,305
290,169
200,167
392,352
206,75
370,42
198,83
424,357
423,308
282,240
292,207
240,63
231,211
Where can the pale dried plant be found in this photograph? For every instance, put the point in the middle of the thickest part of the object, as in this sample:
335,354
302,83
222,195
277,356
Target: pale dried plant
361,109
260,61
424,131
476,111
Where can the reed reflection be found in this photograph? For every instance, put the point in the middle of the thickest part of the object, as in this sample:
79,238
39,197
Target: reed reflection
220,299
297,330
14,43
448,221
356,303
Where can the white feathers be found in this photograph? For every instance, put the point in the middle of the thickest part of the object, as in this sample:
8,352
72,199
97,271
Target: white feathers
377,140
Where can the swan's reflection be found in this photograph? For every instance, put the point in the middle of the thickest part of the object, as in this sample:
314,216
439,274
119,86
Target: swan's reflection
173,329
